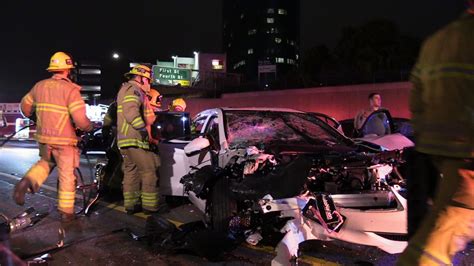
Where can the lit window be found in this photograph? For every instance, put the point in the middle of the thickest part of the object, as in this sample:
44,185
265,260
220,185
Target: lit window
273,30
250,51
270,20
282,11
216,64
292,43
279,60
252,31
270,11
242,16
278,40
297,56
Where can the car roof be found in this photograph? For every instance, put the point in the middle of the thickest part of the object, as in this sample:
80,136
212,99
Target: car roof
264,109
270,109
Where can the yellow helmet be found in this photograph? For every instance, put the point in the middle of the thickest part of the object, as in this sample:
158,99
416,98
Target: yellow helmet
155,98
140,70
178,105
60,61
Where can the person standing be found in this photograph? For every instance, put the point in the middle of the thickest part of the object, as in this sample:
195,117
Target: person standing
59,109
134,118
442,105
375,103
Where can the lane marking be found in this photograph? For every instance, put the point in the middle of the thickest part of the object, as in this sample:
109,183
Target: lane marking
306,259
120,208
112,206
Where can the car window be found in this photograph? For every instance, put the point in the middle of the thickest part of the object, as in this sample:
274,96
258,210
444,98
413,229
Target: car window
198,125
246,128
212,132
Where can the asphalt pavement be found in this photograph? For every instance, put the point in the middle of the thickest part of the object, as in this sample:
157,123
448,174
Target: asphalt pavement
108,236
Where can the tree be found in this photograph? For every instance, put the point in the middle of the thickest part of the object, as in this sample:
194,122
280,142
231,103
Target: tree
315,61
375,47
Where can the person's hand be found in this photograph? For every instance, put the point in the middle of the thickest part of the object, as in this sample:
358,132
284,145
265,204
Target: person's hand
143,133
153,141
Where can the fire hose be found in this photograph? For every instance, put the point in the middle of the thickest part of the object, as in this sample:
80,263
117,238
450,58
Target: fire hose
12,135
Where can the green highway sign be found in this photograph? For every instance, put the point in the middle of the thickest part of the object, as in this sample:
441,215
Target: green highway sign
171,76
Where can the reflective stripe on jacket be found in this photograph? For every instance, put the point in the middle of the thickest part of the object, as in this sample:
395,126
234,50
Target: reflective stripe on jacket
134,114
59,108
442,101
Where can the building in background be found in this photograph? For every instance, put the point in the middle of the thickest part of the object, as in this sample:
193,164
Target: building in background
89,77
261,38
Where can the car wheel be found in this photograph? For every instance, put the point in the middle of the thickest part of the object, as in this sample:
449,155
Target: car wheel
222,206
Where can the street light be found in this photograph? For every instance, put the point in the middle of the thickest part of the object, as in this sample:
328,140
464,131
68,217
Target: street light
115,55
175,60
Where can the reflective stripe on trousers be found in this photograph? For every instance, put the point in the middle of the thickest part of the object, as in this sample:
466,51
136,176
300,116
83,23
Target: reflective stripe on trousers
66,158
131,199
139,174
150,200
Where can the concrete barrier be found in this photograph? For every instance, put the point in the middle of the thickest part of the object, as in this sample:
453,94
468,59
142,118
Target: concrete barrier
341,102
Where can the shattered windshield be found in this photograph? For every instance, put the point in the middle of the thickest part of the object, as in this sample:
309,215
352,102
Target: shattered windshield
245,128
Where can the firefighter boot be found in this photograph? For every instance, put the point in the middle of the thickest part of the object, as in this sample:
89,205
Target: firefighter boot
21,188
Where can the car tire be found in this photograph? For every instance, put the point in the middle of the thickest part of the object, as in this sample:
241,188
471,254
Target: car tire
222,206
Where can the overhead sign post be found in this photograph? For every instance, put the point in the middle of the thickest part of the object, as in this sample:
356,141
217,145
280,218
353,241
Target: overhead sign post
171,76
266,73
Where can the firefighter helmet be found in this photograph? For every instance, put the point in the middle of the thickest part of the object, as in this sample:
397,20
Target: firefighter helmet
60,61
140,70
155,98
178,105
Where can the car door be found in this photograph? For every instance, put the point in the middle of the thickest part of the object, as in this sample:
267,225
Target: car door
174,162
379,123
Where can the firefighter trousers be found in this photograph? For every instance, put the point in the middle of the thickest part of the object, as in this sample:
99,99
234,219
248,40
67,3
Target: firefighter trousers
140,180
66,158
450,225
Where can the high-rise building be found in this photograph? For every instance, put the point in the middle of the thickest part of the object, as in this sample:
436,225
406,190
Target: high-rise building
261,38
89,78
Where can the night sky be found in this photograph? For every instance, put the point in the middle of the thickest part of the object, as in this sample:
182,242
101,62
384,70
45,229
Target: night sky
144,30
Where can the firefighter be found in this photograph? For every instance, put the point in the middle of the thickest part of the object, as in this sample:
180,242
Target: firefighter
134,118
59,109
155,100
178,105
442,104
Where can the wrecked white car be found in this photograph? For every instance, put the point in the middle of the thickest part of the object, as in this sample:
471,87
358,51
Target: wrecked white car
255,170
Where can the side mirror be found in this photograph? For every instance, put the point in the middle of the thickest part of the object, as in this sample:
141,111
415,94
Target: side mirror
196,145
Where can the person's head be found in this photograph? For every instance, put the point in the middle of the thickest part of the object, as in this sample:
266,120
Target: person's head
178,105
375,100
155,98
60,63
142,75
